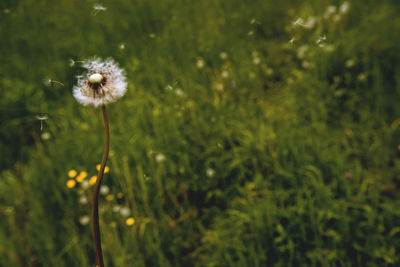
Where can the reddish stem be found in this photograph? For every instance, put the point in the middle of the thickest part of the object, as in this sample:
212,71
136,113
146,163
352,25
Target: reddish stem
96,227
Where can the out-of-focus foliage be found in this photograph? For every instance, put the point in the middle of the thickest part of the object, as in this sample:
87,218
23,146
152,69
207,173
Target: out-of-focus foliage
253,133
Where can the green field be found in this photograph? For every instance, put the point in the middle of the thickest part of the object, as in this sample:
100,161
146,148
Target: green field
253,133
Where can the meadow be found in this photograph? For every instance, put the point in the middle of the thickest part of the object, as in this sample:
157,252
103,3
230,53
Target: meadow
253,133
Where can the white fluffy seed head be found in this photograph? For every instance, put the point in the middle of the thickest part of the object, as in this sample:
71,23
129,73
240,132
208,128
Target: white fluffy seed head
95,78
98,89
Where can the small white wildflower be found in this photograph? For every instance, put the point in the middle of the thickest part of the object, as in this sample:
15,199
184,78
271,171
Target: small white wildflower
301,51
116,208
45,136
179,92
103,83
83,200
349,63
124,211
362,77
223,55
85,184
84,220
200,63
210,172
224,74
104,190
160,157
344,7
256,60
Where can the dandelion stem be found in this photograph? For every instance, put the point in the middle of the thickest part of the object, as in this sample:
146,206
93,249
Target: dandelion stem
96,227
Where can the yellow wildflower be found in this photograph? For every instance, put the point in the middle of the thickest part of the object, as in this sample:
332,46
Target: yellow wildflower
130,221
92,180
109,197
120,195
106,169
71,183
72,173
81,176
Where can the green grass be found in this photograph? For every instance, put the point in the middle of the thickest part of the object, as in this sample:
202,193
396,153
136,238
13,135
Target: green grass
278,155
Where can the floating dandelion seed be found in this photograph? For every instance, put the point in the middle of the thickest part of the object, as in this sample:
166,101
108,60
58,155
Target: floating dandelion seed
97,8
321,41
41,118
49,81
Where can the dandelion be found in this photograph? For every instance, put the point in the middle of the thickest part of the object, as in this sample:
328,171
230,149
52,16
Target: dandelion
200,63
103,83
84,220
71,183
81,177
106,169
120,195
160,157
109,197
92,180
130,221
72,173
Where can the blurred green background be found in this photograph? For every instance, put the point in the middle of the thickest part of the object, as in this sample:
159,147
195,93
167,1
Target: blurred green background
253,133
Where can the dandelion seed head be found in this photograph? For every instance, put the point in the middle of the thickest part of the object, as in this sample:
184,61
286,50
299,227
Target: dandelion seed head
103,83
85,184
